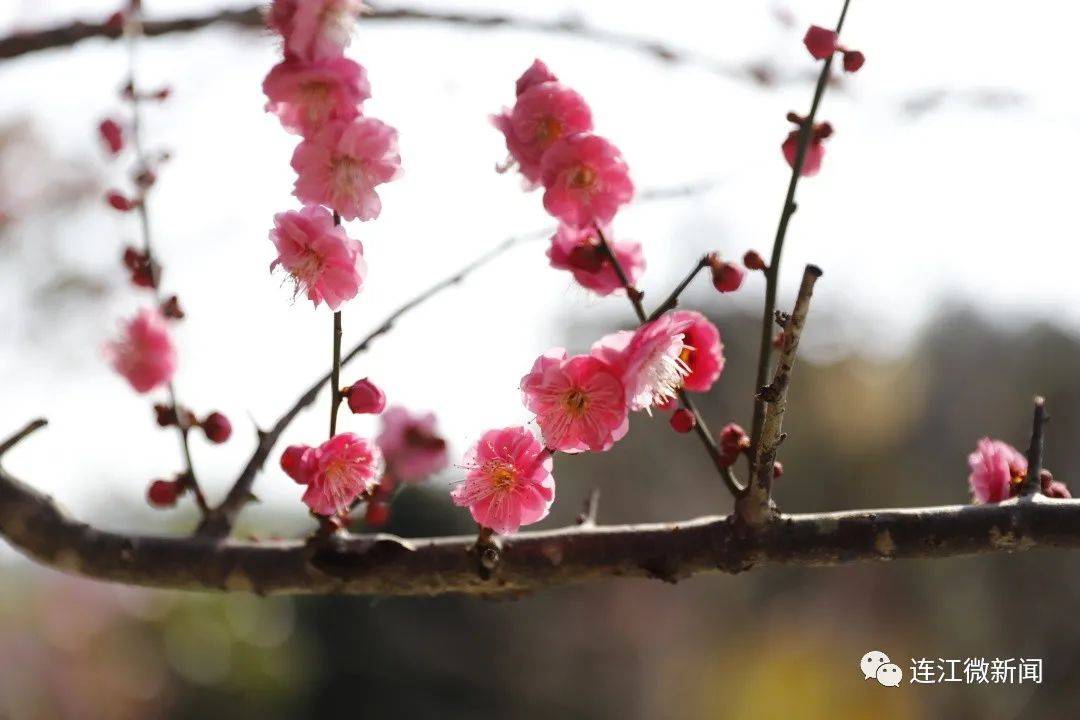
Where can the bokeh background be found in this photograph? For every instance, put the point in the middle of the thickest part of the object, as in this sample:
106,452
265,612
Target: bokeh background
943,218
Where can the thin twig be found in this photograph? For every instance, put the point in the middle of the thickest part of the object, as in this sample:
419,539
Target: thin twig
672,300
701,429
1033,483
755,507
133,29
587,517
772,272
30,428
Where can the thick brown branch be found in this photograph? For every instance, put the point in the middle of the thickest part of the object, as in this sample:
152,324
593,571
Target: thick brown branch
755,507
388,565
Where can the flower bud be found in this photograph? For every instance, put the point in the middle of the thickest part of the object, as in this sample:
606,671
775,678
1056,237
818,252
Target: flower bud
853,60
119,202
726,276
821,42
145,178
777,470
1053,488
733,441
112,134
164,493
682,421
216,427
365,398
300,462
753,260
171,308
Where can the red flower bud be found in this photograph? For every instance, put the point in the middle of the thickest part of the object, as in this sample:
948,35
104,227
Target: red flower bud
119,202
115,23
820,41
164,493
853,60
1053,488
171,309
377,514
365,398
733,441
753,261
778,340
112,134
777,470
133,258
682,421
300,463
216,427
726,276
145,179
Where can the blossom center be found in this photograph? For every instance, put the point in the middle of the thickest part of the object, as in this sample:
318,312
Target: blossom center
576,402
583,178
503,477
548,130
348,175
316,94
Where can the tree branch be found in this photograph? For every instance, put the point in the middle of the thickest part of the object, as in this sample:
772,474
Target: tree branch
252,19
755,507
1032,483
388,565
772,272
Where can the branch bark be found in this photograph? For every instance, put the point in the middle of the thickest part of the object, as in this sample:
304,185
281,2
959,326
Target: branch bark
388,565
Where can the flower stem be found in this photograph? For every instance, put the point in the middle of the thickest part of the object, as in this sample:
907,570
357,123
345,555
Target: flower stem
335,367
772,273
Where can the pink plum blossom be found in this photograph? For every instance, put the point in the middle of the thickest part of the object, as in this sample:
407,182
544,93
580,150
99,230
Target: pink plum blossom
300,462
509,481
544,113
341,165
307,95
578,250
537,73
411,444
325,263
580,403
314,29
821,42
648,360
815,149
144,352
996,468
703,352
585,180
346,466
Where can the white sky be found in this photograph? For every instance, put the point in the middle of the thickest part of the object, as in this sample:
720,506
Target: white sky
962,203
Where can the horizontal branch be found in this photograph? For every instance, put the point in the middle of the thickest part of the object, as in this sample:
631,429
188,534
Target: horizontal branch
251,18
388,565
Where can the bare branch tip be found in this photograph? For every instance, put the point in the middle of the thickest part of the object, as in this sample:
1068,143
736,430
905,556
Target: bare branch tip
30,428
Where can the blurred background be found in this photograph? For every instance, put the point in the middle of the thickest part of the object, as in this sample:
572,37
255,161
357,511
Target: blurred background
941,220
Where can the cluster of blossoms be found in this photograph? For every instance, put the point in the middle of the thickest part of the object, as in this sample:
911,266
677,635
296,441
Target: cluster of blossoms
143,352
343,156
582,403
998,471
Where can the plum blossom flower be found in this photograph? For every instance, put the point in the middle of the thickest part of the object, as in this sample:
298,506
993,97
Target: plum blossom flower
580,403
703,352
144,352
585,180
345,467
365,398
411,444
112,135
648,360
996,468
509,483
815,149
314,29
300,462
326,264
307,95
537,73
342,164
821,42
578,250
544,113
